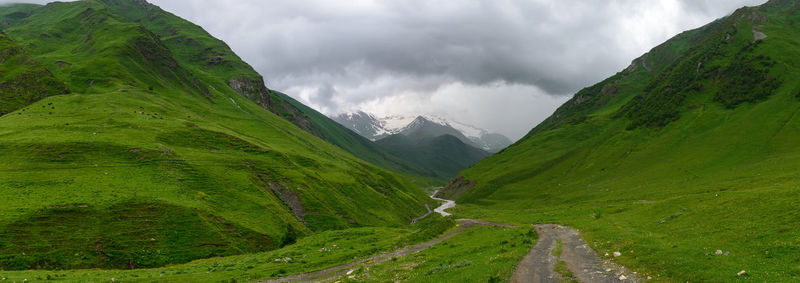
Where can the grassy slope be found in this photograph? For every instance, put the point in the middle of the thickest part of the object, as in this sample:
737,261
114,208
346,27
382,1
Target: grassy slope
195,49
365,149
718,175
316,252
143,165
443,156
24,80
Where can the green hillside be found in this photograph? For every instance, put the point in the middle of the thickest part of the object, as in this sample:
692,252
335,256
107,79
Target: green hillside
24,80
691,149
158,156
209,57
443,155
338,135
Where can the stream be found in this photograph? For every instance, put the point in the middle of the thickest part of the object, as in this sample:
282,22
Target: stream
447,204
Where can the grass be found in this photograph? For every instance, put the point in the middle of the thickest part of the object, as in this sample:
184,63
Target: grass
363,148
561,266
719,176
23,79
442,156
154,160
316,252
208,57
218,171
479,254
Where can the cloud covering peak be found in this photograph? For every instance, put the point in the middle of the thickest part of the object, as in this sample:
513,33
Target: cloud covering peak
504,65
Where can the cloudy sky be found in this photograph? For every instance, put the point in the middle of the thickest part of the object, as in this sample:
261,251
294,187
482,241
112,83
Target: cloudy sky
504,65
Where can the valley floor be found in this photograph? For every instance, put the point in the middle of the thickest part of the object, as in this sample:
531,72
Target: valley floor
347,269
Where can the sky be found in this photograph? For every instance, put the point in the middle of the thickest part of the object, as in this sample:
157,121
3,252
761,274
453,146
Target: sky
503,65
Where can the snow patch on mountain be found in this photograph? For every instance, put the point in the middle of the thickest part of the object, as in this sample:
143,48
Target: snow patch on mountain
375,128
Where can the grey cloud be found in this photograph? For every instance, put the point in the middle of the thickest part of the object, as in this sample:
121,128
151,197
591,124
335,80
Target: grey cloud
558,46
348,55
390,56
6,2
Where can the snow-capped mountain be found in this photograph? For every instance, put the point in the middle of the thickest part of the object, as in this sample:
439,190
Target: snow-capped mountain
421,126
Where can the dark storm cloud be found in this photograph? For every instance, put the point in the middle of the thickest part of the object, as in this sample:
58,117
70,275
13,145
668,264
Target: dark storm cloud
558,46
347,55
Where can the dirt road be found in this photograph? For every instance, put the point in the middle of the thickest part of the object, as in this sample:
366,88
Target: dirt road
539,265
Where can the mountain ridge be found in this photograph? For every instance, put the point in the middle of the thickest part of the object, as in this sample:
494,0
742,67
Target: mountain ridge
687,150
375,128
154,157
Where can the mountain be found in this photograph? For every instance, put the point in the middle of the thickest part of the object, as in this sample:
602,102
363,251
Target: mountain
425,142
443,155
365,124
691,149
196,49
131,138
359,146
375,128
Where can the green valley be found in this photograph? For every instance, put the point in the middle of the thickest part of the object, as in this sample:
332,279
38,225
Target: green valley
137,147
688,151
157,156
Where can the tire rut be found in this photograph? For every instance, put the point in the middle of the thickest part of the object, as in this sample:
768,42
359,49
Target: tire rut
539,265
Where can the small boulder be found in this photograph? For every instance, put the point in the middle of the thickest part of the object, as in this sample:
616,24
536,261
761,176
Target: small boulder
622,277
741,273
718,252
726,253
616,254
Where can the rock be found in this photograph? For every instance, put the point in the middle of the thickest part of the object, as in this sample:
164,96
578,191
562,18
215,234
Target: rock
741,273
622,277
606,254
608,269
718,252
726,253
616,254
649,278
287,259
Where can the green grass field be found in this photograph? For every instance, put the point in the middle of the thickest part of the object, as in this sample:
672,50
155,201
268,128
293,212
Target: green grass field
152,167
152,158
719,175
479,254
316,252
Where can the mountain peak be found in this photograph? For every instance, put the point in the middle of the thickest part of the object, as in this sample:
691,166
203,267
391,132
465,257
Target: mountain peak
420,121
376,128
